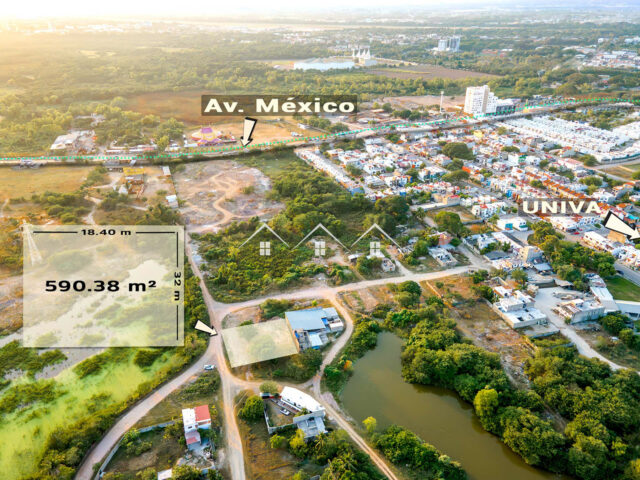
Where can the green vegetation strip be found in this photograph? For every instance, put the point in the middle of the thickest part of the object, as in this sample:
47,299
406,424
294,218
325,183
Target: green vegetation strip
320,137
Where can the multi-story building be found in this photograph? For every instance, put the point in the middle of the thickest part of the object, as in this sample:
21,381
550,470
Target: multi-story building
480,101
449,44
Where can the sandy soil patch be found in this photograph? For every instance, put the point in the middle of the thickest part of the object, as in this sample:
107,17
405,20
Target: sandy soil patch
403,102
217,192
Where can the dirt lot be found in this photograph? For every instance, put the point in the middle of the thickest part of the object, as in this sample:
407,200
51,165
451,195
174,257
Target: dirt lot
366,299
423,101
428,72
249,314
217,192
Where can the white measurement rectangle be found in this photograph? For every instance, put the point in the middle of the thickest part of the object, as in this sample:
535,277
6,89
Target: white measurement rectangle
103,286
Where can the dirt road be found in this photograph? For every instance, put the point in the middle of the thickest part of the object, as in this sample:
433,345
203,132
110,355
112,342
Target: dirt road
231,385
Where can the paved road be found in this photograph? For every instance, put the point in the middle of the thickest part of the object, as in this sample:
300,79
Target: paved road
631,275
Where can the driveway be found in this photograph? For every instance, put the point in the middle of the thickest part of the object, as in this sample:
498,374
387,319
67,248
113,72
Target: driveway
545,301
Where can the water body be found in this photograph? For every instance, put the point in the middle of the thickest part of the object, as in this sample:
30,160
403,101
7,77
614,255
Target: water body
436,415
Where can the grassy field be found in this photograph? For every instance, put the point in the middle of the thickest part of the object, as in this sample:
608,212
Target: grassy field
270,163
202,391
624,171
429,71
24,183
23,433
623,289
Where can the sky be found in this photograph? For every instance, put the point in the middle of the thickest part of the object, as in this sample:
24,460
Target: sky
209,8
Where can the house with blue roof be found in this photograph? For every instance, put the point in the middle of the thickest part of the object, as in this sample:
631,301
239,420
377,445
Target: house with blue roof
312,326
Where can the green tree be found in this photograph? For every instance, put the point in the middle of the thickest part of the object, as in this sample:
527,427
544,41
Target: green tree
370,425
278,441
520,276
298,445
486,405
458,150
253,408
449,221
186,472
269,387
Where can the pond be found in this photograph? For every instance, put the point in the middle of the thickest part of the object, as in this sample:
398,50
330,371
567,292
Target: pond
436,415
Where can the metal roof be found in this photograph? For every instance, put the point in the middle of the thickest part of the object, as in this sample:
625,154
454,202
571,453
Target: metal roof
309,319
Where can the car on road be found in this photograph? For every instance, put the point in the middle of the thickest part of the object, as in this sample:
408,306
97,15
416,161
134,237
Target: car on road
209,367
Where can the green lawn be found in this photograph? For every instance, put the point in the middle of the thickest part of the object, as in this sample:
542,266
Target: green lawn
623,289
23,433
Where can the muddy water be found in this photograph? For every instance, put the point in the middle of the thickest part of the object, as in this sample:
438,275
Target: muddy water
437,415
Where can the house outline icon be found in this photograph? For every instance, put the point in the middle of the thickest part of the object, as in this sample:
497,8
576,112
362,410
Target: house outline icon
377,227
320,226
263,225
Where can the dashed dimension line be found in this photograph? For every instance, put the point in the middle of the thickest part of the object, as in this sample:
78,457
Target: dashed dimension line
256,146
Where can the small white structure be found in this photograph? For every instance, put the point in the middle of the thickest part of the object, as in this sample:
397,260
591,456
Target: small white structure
580,310
517,309
300,400
194,419
165,474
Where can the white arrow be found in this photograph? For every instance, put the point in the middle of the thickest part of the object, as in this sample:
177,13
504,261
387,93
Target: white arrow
203,327
615,223
249,125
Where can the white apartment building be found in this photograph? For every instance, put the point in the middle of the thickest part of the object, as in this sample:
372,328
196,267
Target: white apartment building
480,101
597,241
489,209
602,144
449,44
565,224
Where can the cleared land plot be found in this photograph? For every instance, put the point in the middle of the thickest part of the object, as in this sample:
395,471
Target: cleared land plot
623,289
163,454
259,342
464,213
26,182
366,299
428,72
219,191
